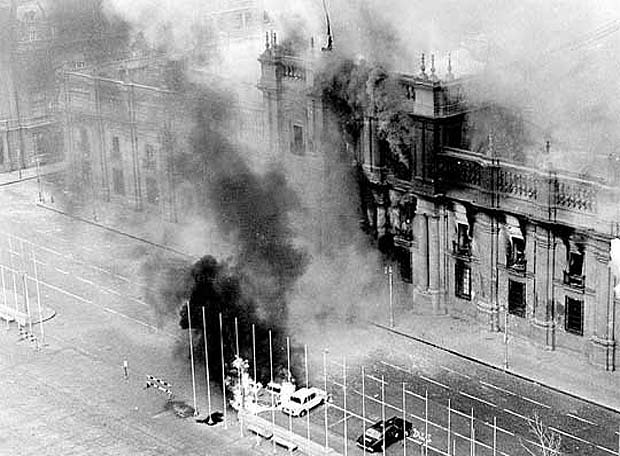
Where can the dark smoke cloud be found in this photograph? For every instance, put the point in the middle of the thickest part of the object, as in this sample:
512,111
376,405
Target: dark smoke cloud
220,288
252,211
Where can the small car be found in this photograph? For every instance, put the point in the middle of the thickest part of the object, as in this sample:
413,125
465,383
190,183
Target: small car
392,431
276,392
303,400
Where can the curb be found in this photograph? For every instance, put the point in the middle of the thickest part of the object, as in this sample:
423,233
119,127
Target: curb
116,231
497,368
17,181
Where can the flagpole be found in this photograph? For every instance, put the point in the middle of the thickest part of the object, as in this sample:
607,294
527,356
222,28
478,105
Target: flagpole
241,389
191,354
344,403
208,378
307,386
473,438
223,373
254,360
383,412
13,274
26,301
325,408
36,279
289,377
8,325
404,422
273,409
449,423
426,422
364,409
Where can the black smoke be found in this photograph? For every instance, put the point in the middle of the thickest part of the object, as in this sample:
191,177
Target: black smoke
252,211
220,289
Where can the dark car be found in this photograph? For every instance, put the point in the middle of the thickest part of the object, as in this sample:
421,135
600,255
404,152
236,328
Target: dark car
395,429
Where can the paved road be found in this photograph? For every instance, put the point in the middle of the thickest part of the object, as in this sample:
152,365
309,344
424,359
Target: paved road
93,280
71,397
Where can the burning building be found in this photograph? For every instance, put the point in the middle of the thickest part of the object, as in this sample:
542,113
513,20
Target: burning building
471,227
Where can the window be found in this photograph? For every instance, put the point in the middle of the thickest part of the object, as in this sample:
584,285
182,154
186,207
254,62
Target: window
32,35
573,321
573,275
516,253
404,260
149,157
298,140
1,151
248,19
118,182
516,298
575,263
152,190
462,245
239,21
84,143
463,280
116,147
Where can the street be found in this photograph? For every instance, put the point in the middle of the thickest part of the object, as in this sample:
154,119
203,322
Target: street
71,395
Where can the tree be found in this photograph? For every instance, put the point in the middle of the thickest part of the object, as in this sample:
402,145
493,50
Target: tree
548,442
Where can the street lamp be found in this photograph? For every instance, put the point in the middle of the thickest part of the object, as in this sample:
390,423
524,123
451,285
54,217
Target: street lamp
388,271
38,162
505,337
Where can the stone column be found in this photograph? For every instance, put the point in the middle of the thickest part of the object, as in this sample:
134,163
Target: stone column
133,137
543,314
420,256
5,146
484,281
600,312
433,259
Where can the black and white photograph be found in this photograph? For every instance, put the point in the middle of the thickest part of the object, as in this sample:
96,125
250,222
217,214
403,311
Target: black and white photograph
309,227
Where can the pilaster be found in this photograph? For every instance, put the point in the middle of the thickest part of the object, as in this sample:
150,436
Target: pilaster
601,315
543,315
486,240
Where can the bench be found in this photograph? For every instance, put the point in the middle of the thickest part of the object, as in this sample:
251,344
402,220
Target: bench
260,431
285,443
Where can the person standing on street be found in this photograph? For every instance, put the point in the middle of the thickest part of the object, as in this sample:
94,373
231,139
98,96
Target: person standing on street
125,371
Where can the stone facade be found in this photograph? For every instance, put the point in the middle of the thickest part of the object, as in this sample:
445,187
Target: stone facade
471,232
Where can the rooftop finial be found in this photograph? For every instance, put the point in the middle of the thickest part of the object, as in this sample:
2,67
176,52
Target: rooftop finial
450,76
330,38
434,77
423,67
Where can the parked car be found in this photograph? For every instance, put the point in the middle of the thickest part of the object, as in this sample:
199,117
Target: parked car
391,431
277,392
303,400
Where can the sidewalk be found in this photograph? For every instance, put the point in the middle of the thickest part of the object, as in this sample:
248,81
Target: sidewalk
559,370
13,177
145,225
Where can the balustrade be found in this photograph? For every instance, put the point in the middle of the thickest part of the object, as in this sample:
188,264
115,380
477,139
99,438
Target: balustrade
562,192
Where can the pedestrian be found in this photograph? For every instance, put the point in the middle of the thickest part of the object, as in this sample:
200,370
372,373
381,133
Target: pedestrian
125,372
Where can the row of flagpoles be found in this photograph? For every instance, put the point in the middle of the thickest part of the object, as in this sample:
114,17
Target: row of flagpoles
13,272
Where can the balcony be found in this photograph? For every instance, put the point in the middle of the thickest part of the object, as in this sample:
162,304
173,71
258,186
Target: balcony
461,248
574,280
545,194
